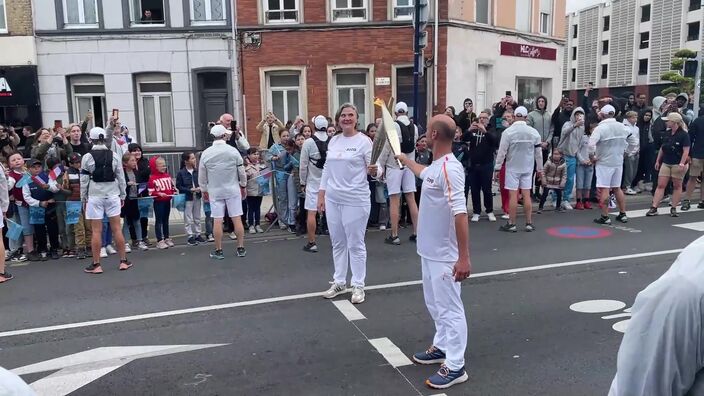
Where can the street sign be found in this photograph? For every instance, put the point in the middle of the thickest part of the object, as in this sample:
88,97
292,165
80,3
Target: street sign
80,369
382,81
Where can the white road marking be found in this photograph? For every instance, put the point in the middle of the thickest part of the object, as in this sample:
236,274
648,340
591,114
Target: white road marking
597,306
390,352
632,214
616,316
80,369
696,226
293,297
350,311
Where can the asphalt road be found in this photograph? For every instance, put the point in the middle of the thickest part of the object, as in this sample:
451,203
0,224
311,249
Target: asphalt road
269,333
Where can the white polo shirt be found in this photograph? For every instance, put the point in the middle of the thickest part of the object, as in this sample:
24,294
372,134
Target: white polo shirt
442,198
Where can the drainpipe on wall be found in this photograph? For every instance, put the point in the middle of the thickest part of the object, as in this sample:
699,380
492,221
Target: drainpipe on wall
435,57
234,61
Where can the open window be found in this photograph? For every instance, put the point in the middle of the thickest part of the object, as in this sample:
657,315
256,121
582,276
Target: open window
88,95
147,12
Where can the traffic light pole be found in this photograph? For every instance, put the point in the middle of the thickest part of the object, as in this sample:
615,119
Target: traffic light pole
416,59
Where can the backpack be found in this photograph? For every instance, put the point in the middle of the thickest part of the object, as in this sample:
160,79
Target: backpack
103,166
408,138
323,149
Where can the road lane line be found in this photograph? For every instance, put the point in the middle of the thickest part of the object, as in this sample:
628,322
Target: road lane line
390,352
294,297
665,210
696,226
349,310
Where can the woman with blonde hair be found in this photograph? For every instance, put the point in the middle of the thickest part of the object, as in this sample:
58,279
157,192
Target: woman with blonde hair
344,197
671,162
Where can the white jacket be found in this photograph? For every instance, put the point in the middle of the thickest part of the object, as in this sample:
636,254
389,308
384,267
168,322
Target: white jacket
520,146
309,173
609,141
635,131
662,353
221,171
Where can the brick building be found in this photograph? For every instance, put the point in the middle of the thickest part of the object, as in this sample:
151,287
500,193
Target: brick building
171,73
19,94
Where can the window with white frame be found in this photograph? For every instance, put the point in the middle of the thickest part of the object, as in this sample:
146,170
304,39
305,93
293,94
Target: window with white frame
80,13
284,94
3,19
349,10
281,11
208,12
403,10
483,11
156,115
147,12
88,96
523,15
351,87
546,16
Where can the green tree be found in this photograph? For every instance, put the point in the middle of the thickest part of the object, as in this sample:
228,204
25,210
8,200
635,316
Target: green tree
676,75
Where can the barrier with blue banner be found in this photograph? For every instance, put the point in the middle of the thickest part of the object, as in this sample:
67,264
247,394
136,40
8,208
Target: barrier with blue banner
14,230
36,215
146,207
73,211
179,202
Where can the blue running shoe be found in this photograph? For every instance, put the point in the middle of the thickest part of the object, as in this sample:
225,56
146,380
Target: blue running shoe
217,255
445,378
432,356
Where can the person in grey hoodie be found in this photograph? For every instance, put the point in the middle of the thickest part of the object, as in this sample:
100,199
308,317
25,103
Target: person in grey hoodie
541,120
571,136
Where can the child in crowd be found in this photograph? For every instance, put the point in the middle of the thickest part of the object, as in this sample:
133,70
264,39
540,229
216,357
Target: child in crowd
17,172
279,161
143,173
553,178
130,209
585,171
81,231
61,196
296,170
293,181
255,171
161,187
187,183
40,193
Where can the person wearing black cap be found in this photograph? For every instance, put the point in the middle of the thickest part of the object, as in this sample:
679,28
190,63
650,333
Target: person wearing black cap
103,189
143,172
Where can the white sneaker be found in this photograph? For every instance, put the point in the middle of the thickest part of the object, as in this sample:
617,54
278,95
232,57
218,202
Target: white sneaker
128,249
283,227
566,206
382,227
162,245
259,229
335,290
491,216
252,230
103,252
475,218
110,249
357,295
233,236
169,242
630,191
505,216
142,246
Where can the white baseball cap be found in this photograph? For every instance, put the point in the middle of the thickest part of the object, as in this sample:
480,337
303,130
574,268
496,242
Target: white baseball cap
521,111
218,130
97,133
401,107
608,109
320,122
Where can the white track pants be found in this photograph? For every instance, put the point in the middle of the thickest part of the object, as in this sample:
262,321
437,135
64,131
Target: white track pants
347,225
442,297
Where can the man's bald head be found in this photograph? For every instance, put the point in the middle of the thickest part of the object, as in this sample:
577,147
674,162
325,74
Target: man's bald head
226,120
442,127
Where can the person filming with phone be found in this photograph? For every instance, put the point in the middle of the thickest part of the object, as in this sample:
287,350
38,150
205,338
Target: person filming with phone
236,137
270,127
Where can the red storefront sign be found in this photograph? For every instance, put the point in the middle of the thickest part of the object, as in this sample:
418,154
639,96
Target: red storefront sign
528,51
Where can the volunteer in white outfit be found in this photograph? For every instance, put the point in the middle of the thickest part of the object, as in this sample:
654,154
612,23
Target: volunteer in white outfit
103,191
607,145
400,181
344,196
521,147
4,205
221,178
443,245
313,157
661,352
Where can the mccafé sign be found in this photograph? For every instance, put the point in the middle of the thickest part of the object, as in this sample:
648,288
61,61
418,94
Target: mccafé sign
528,51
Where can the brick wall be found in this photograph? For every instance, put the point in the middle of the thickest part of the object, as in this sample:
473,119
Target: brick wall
315,11
316,50
19,17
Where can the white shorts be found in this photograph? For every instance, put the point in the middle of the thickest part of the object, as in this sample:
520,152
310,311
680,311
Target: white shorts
311,202
400,181
608,176
99,207
518,181
233,205
2,221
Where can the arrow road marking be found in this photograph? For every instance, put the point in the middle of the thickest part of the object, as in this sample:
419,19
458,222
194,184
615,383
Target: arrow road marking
80,369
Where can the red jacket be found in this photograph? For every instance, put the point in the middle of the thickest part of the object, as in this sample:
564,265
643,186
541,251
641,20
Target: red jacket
160,182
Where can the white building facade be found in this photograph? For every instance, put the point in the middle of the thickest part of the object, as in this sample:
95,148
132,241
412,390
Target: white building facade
166,71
